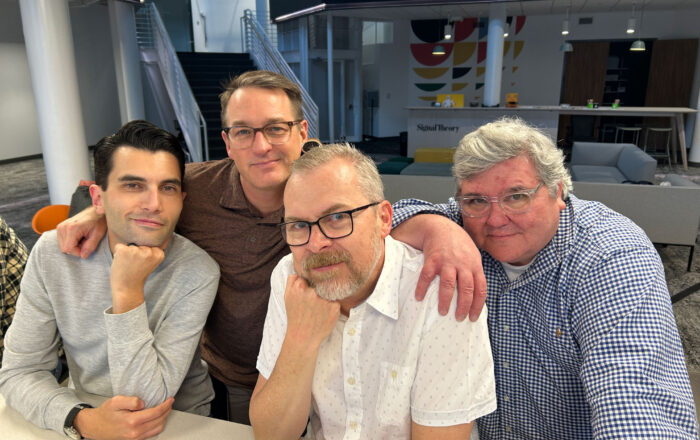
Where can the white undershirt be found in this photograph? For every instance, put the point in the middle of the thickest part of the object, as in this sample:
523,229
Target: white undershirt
513,272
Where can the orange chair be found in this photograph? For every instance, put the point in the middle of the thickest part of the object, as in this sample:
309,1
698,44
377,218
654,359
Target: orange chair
48,217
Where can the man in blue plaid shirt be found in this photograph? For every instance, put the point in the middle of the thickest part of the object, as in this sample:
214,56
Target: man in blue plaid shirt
583,336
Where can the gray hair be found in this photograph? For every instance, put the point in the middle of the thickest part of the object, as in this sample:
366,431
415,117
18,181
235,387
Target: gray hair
367,174
505,139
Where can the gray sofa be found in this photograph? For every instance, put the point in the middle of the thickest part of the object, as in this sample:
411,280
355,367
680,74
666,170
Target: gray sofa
668,215
611,163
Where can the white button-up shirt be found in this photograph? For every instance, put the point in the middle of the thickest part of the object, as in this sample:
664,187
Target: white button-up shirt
393,360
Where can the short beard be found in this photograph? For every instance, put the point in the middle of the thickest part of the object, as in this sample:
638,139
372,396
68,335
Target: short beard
333,288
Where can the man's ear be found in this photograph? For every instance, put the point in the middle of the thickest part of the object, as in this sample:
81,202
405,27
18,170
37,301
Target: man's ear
561,204
385,215
96,195
304,130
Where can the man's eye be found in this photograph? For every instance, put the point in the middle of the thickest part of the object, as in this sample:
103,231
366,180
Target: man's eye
479,201
276,129
517,197
170,188
132,186
242,131
298,226
337,217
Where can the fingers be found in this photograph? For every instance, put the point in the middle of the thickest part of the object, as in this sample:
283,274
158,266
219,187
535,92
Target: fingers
140,253
448,282
155,414
89,244
465,294
130,403
479,297
427,275
148,422
68,238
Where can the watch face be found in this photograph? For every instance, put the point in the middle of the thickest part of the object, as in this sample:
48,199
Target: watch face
71,433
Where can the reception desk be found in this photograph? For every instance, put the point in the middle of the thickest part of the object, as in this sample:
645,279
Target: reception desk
179,426
444,127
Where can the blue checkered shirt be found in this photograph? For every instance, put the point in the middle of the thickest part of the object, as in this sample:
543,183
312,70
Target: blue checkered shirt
585,344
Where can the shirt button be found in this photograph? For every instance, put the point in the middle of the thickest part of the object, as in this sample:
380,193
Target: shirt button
507,428
353,426
393,374
351,381
351,332
506,399
506,328
506,364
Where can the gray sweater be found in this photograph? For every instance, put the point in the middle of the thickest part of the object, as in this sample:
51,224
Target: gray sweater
149,352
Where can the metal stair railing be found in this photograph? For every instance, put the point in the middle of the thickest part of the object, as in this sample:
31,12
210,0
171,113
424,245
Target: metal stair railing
152,36
267,57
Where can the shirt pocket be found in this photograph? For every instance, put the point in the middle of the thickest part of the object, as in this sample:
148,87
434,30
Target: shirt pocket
394,398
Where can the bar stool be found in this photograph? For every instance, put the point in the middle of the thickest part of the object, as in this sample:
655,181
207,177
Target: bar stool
620,134
665,130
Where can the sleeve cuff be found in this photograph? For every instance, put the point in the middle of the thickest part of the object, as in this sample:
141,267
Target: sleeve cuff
451,418
127,327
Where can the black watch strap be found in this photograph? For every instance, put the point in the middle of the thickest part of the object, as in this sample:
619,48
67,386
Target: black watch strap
68,428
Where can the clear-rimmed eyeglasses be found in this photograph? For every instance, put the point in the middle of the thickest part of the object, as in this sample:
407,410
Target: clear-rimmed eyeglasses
516,202
334,225
242,136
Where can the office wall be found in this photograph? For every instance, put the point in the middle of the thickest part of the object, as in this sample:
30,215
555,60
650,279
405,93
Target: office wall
222,25
20,135
177,18
385,70
539,64
96,80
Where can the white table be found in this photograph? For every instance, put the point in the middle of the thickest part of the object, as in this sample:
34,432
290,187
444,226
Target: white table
179,426
444,127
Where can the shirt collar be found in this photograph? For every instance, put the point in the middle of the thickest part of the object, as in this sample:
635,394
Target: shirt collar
233,198
385,297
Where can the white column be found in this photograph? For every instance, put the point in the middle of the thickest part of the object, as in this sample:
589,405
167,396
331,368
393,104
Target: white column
304,51
49,43
331,116
694,155
494,55
127,60
262,14
357,80
357,98
341,98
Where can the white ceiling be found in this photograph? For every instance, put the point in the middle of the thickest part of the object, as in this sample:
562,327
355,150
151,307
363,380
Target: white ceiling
513,7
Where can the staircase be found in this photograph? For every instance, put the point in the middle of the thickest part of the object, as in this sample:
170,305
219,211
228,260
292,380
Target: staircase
207,73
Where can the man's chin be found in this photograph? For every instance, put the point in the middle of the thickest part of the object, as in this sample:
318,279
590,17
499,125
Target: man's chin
150,241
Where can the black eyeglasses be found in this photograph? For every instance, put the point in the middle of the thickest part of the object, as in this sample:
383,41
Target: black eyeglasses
242,136
334,225
516,202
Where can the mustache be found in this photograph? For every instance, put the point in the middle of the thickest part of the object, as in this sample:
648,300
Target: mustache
326,259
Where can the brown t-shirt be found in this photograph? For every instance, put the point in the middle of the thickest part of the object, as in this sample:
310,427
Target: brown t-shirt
218,218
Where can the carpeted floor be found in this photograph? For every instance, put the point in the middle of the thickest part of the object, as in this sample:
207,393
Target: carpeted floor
24,191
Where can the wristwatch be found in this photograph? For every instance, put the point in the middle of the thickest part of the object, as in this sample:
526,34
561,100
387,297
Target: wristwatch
68,428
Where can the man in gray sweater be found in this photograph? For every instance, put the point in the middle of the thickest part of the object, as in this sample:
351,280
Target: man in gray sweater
130,316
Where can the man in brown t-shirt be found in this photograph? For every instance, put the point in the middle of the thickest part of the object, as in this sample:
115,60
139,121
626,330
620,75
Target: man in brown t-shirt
231,211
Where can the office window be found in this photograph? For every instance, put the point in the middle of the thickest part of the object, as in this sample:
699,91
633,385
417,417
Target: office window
377,32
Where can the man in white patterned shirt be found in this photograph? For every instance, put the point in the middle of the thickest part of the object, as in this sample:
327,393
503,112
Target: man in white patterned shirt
344,334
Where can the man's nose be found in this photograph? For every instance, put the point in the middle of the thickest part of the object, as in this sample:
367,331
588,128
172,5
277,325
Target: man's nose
497,216
260,143
317,240
151,200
